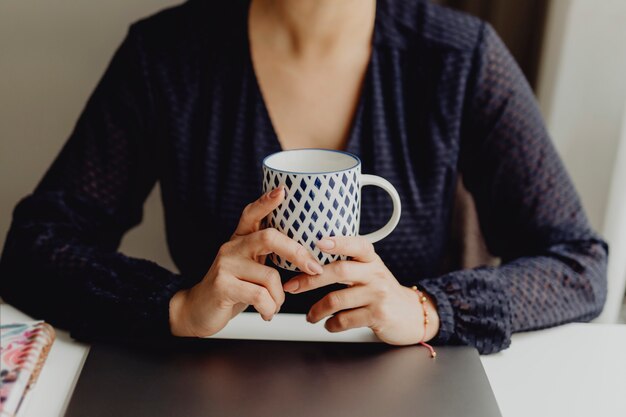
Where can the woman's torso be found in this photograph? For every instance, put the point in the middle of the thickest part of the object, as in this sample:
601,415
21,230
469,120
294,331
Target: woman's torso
213,130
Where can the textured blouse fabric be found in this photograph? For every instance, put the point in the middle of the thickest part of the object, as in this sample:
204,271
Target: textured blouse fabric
180,104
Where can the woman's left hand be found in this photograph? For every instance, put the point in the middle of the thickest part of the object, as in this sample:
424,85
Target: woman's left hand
374,298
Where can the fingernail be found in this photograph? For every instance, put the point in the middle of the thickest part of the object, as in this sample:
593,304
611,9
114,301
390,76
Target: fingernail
291,286
325,243
314,267
276,192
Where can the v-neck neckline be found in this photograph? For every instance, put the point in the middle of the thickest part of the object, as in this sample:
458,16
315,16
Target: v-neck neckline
260,99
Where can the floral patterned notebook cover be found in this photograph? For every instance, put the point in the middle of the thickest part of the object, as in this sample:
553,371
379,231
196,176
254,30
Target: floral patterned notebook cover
24,348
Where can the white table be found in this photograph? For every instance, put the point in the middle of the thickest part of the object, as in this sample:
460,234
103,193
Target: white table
572,370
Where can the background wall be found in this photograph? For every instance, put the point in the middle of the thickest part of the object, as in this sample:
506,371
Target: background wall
52,54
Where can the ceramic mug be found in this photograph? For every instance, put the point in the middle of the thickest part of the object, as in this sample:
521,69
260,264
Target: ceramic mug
323,198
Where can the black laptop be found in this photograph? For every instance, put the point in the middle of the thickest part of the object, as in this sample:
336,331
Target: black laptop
276,378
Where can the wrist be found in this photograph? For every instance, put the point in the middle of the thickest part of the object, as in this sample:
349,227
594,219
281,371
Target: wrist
432,327
429,317
178,322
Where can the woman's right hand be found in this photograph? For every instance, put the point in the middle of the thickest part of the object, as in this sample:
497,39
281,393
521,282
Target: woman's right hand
238,276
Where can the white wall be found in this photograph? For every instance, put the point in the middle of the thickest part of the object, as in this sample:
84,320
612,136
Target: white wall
52,53
582,92
615,233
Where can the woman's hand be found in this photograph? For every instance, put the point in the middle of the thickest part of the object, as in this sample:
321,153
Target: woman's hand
373,299
238,276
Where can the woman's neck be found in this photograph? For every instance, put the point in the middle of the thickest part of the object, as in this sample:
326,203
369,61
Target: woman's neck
314,27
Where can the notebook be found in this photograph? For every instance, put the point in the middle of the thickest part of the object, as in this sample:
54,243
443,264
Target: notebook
23,350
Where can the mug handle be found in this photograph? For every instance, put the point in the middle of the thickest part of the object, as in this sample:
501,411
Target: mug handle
384,231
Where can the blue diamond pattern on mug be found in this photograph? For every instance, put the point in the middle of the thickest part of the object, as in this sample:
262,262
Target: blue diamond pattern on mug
315,206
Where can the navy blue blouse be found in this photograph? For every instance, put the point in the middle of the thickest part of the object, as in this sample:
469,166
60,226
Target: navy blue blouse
180,104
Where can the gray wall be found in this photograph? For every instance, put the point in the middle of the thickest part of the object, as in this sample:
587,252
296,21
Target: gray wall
52,54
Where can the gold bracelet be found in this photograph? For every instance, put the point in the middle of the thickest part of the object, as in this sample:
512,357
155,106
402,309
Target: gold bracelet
423,301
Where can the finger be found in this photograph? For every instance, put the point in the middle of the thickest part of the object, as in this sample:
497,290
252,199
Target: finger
357,247
255,295
247,270
255,212
339,272
337,301
350,319
270,240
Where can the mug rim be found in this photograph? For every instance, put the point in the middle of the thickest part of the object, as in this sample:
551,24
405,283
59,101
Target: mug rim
356,158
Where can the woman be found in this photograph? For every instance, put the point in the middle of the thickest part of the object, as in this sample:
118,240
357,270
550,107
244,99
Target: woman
197,95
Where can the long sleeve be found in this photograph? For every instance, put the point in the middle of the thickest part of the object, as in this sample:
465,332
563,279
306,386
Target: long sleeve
553,266
60,260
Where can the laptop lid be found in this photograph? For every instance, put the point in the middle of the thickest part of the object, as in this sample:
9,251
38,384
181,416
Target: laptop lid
250,378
